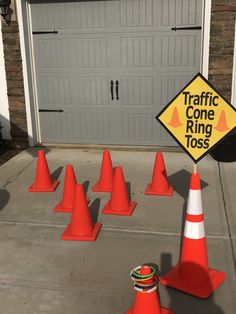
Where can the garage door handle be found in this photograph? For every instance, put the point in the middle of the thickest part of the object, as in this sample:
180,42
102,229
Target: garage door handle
112,96
117,90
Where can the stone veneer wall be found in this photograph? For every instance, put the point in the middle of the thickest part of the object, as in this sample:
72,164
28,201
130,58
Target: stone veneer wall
222,45
15,86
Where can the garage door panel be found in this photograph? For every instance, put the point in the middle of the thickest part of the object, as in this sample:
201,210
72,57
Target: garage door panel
165,138
94,126
91,52
97,15
52,53
136,13
171,85
136,91
72,91
48,15
179,51
136,51
181,12
90,91
86,14
56,126
137,128
54,91
63,15
125,41
86,126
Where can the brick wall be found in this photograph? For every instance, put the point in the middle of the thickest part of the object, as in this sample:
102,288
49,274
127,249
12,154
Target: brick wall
222,45
15,87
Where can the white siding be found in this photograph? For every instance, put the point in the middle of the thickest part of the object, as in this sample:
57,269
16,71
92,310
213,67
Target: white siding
4,105
234,72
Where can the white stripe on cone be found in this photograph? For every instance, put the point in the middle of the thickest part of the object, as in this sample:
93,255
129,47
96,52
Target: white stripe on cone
194,230
194,202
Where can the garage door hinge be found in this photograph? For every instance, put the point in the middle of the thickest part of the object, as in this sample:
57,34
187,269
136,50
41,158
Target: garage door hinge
185,28
45,32
51,110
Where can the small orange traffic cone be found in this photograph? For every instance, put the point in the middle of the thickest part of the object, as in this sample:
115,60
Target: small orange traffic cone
192,275
43,181
105,181
159,184
175,122
119,203
81,226
222,123
66,204
146,299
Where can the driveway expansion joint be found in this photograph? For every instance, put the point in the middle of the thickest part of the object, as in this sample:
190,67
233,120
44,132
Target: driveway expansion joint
110,229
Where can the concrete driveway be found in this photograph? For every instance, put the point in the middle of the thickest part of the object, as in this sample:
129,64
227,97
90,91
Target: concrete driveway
42,274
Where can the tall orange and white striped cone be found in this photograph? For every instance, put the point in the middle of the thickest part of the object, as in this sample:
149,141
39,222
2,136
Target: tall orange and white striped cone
192,274
146,299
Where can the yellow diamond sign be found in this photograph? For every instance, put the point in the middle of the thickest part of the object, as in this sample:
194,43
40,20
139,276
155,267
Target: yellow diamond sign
198,117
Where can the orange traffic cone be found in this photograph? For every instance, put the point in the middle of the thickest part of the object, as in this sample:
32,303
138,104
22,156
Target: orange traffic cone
159,184
119,203
66,204
192,275
146,299
175,122
81,226
222,123
43,181
105,181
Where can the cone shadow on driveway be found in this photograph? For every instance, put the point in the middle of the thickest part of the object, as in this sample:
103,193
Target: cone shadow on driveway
180,182
86,186
4,198
128,189
94,209
56,173
183,303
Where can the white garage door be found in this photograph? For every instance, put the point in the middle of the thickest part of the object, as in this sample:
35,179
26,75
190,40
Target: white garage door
104,69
